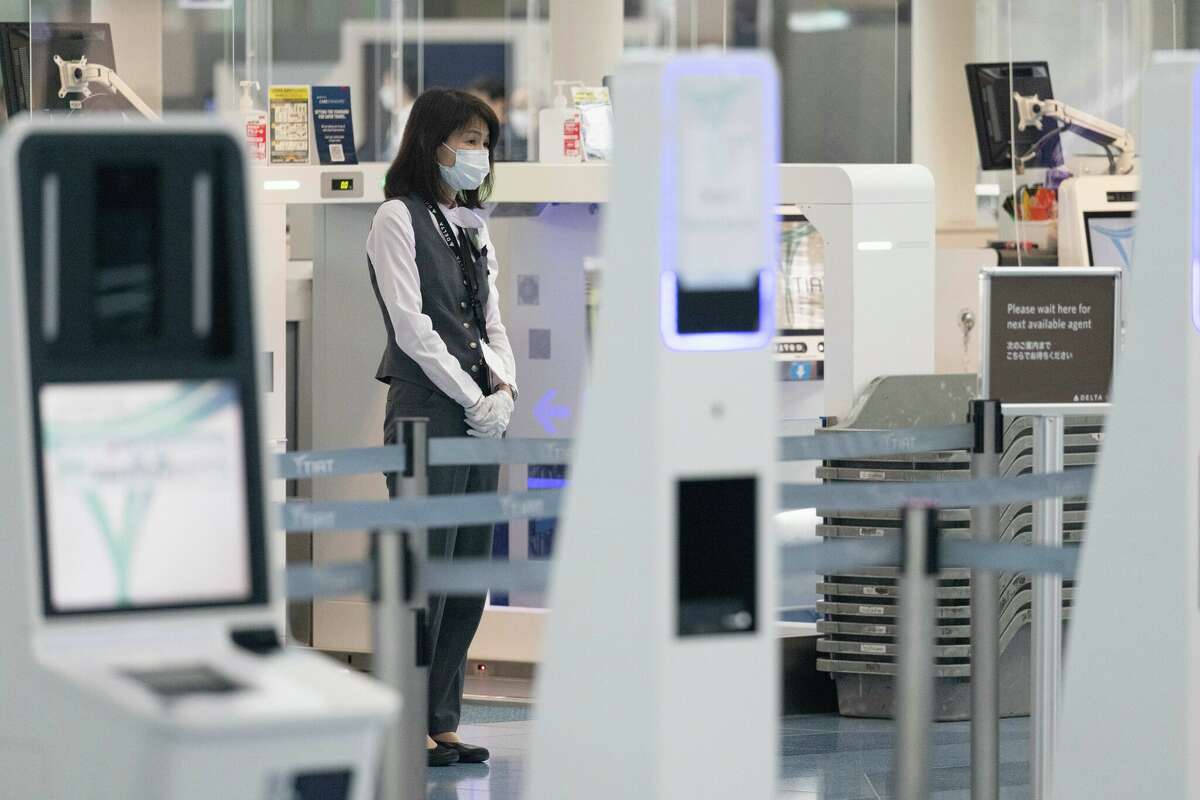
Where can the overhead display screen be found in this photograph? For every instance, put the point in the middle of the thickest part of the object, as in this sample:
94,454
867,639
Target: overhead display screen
144,491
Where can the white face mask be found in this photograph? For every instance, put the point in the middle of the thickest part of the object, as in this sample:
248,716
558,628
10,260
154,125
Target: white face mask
469,170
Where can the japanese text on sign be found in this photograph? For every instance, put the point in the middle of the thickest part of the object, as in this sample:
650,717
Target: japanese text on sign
1050,337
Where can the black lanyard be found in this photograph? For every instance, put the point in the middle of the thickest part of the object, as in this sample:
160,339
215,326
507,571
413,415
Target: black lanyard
461,249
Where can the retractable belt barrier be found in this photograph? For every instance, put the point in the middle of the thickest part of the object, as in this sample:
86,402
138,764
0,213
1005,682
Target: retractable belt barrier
425,512
470,452
835,444
398,578
481,575
350,461
480,509
942,494
459,451
308,581
473,576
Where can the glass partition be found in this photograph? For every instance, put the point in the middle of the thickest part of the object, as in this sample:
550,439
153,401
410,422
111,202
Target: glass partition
1055,175
495,53
140,58
845,69
525,85
149,58
690,24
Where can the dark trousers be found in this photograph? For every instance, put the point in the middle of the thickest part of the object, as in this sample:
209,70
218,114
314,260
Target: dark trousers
452,620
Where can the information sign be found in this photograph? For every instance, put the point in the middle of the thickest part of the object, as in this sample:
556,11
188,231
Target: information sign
1050,335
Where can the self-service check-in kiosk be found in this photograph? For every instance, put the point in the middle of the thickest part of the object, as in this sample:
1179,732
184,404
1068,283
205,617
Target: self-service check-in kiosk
1131,694
139,655
660,675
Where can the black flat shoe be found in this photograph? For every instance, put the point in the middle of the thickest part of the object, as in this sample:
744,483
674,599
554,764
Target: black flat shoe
467,753
442,756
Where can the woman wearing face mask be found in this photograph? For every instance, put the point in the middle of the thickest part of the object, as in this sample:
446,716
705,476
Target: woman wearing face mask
447,355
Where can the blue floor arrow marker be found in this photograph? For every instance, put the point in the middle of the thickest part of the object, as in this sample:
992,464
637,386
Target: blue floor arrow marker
547,411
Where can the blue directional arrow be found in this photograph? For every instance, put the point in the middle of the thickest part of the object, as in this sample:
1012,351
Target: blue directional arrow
547,411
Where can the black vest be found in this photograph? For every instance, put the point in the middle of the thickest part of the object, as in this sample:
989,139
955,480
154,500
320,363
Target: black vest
445,298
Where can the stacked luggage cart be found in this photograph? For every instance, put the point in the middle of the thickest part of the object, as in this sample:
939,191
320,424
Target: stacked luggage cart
859,612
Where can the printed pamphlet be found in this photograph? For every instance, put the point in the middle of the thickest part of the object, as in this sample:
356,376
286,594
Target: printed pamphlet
289,124
333,125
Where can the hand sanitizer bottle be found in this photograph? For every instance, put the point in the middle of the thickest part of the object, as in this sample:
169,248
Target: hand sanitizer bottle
560,139
254,124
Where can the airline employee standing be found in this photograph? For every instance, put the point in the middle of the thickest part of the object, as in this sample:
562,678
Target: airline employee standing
447,355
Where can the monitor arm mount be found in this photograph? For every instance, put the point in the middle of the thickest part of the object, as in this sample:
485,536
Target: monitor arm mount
1116,141
77,76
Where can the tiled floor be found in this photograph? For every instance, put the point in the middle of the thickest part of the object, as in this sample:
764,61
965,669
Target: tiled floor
823,758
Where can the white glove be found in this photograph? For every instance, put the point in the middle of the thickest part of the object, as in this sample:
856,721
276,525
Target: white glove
489,418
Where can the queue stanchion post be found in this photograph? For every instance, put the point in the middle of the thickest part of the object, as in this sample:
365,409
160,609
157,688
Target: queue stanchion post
988,421
401,650
1048,456
917,638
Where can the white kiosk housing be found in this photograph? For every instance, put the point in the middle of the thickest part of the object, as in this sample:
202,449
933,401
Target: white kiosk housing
138,611
1096,220
664,591
1131,697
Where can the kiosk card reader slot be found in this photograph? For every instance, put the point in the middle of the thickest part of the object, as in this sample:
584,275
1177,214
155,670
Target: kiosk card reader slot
717,560
183,680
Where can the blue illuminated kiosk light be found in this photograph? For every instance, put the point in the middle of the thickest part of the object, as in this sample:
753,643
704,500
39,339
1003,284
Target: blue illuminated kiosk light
732,306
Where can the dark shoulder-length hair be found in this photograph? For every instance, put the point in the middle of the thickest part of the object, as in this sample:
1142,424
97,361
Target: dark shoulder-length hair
436,115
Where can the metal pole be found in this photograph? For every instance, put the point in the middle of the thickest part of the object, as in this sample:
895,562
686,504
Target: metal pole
1047,611
918,613
401,658
985,613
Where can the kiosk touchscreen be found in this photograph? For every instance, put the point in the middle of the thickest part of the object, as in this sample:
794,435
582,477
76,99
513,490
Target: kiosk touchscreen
122,463
1096,218
141,656
1109,238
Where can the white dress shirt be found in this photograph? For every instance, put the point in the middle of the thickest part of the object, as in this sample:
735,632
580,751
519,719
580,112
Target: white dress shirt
391,246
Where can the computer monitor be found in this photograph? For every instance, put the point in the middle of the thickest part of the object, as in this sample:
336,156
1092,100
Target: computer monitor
1109,238
991,87
31,78
144,492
